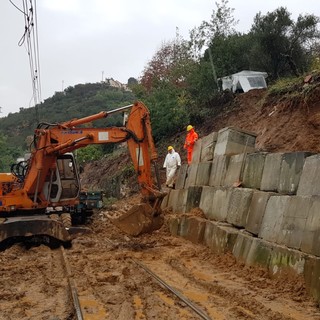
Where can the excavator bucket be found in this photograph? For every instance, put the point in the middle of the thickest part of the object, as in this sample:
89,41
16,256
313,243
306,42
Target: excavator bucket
141,218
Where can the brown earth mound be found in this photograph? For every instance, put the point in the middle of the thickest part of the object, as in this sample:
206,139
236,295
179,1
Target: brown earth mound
281,123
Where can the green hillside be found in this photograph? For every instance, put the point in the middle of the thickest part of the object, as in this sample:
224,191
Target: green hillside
74,102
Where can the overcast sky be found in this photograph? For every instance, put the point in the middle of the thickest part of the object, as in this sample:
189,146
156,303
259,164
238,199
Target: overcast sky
83,41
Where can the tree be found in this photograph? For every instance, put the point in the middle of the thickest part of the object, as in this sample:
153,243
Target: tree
229,54
221,24
170,64
8,154
219,58
163,86
169,110
132,82
283,47
89,153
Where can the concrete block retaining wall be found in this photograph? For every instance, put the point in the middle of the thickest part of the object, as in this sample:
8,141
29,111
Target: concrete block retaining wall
272,220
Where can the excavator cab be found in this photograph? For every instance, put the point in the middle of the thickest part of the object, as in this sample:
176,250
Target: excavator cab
64,184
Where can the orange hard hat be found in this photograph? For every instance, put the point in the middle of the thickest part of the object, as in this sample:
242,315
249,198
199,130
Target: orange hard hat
189,127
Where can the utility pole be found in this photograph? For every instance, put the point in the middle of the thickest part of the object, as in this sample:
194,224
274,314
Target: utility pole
62,85
102,76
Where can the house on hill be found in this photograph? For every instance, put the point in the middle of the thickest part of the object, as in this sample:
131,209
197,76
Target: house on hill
117,84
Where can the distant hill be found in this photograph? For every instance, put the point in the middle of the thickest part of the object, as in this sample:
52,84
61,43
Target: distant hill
74,102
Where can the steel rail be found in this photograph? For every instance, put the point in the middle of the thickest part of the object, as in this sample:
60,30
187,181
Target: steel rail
72,286
174,291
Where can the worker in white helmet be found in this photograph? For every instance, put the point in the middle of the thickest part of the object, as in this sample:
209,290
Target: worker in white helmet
172,162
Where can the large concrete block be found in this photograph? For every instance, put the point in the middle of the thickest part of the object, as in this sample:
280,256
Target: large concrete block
291,169
196,154
278,259
284,260
235,169
193,197
312,276
207,146
188,227
173,224
256,211
195,232
310,177
165,200
206,200
294,222
218,170
253,169
172,196
310,241
234,141
177,200
272,220
271,172
220,204
242,247
203,173
181,176
239,204
259,253
214,202
183,226
219,238
191,175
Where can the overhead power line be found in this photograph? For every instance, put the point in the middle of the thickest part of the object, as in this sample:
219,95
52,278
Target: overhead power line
31,43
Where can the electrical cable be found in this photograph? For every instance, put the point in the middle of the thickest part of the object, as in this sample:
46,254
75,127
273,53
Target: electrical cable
30,40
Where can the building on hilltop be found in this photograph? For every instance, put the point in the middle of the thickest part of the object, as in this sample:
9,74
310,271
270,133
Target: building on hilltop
117,84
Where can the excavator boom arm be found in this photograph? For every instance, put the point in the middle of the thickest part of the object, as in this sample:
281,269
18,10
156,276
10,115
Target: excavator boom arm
65,137
43,185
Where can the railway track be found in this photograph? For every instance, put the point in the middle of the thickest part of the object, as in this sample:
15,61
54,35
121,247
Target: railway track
177,293
174,287
72,286
80,309
107,275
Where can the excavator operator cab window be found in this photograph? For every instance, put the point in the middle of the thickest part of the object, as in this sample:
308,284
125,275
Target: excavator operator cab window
68,176
66,168
64,183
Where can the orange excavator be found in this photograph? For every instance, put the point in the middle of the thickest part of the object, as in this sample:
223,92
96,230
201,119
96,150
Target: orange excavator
49,178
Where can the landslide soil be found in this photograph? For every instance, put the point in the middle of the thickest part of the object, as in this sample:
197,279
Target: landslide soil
105,262
107,270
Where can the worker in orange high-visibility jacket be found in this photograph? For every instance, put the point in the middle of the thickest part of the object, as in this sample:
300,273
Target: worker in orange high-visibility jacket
191,138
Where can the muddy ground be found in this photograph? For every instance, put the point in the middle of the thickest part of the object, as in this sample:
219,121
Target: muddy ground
107,268
107,265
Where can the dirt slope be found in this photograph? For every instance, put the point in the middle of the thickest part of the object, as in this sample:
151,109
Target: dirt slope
281,124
